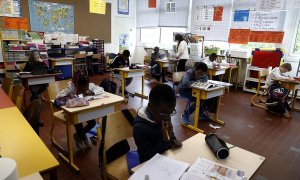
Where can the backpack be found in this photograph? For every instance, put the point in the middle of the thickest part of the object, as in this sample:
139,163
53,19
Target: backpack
277,101
109,86
155,70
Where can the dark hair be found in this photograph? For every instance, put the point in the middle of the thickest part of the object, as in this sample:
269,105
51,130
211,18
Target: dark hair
213,56
287,66
126,53
80,78
201,66
31,55
161,93
179,38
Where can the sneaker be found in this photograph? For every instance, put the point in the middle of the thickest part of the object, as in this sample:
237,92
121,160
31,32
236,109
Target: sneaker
78,141
185,119
87,142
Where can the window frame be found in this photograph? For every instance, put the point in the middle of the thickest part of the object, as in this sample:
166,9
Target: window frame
294,35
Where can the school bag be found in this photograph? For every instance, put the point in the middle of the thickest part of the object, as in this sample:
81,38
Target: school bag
109,86
277,100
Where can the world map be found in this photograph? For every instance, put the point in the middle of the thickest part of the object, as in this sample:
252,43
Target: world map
51,17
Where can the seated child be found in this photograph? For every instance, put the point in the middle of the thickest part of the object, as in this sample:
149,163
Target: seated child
152,129
277,73
80,84
154,57
35,61
120,61
198,73
211,60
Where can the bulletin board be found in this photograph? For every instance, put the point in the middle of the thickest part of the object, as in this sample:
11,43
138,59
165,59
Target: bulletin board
211,19
85,23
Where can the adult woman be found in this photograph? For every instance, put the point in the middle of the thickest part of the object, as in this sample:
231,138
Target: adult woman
182,52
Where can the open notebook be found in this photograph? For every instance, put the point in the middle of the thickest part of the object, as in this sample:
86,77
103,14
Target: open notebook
160,168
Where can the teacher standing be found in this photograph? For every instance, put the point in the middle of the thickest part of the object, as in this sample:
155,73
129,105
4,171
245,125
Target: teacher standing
182,52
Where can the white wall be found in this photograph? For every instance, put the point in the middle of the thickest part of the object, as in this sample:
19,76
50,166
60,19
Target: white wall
114,45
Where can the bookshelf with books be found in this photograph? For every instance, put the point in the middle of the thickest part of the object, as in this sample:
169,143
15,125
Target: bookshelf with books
100,65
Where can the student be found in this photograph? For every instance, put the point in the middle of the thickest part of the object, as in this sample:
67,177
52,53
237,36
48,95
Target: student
277,73
122,60
152,129
154,57
80,84
211,60
198,73
182,52
35,61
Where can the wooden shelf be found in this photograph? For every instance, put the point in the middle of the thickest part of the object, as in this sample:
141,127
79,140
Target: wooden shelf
27,40
16,50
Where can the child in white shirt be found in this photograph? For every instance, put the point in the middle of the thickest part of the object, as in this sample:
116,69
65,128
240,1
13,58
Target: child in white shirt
211,60
277,73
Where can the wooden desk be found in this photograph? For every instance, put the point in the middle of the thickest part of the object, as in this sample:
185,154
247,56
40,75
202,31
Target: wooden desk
63,61
216,72
34,176
96,109
29,79
166,63
128,73
5,101
20,142
196,146
200,93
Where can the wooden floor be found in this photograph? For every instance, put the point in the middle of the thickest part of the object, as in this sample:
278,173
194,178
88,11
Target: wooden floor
251,128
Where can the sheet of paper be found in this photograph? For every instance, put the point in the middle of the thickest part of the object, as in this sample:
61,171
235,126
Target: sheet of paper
190,176
161,168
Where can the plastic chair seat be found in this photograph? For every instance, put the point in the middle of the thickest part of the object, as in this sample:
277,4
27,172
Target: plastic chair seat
118,168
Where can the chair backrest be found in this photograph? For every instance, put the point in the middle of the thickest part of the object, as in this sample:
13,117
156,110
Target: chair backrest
117,128
17,96
7,86
80,56
147,59
54,88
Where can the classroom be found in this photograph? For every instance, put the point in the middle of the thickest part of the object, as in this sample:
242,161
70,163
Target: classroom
149,89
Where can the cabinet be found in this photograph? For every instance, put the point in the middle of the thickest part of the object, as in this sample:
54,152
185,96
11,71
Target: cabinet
254,78
14,51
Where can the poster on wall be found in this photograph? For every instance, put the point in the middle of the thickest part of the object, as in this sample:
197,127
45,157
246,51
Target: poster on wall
267,5
97,6
16,23
12,8
123,42
123,7
239,36
267,21
51,17
151,3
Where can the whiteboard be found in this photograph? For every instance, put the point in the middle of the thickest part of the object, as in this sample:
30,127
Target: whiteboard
202,19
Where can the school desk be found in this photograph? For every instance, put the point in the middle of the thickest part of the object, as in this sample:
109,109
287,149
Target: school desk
96,109
5,101
29,79
130,73
166,63
217,72
196,146
20,142
63,61
203,94
34,176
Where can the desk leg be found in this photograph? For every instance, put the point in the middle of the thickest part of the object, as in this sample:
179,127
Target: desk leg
237,78
142,85
210,75
161,68
196,115
53,174
123,84
70,149
142,95
229,78
294,100
216,118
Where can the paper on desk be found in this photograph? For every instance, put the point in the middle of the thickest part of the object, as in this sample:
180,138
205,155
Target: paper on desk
89,98
161,168
211,169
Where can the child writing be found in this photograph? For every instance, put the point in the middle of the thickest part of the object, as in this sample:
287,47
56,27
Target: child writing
80,85
154,57
35,61
152,129
198,73
277,73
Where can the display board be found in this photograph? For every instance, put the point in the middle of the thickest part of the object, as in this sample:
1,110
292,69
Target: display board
97,26
10,8
211,19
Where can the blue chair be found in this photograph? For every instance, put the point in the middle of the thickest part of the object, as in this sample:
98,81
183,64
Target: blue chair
176,79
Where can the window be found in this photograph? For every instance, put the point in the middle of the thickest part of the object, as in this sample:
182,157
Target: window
162,35
296,49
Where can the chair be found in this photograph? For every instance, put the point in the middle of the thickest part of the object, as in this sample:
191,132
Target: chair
147,61
176,79
234,67
115,122
80,61
17,96
7,86
261,76
57,116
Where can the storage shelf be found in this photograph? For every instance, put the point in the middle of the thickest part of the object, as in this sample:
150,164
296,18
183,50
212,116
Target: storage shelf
16,50
254,80
26,40
17,61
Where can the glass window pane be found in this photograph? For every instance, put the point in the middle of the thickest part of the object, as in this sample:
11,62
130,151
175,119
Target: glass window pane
296,49
167,34
150,35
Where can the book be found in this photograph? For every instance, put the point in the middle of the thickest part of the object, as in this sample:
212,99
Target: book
204,85
204,169
160,168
